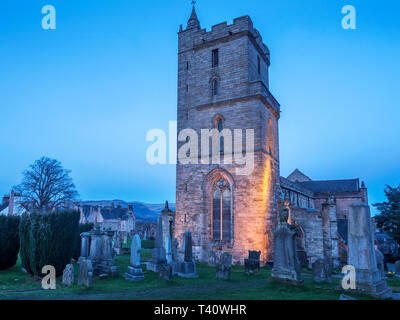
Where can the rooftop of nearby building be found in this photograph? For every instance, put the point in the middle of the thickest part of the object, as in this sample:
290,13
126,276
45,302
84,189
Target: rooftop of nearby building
301,183
332,186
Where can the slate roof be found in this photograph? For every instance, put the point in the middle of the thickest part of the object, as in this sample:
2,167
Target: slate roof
114,213
332,186
342,229
295,186
4,205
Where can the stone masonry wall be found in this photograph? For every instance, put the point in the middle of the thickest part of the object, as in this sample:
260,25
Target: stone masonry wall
243,102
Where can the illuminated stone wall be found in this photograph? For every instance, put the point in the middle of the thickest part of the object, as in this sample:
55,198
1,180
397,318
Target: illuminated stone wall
243,102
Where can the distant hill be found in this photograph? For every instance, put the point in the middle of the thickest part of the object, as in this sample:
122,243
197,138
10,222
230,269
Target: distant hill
143,211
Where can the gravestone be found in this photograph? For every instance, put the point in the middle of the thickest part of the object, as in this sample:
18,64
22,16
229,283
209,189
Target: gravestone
362,254
68,275
168,249
158,254
286,264
85,274
252,264
212,259
165,272
85,245
321,271
187,268
135,272
380,262
125,237
102,254
118,242
96,245
223,269
175,257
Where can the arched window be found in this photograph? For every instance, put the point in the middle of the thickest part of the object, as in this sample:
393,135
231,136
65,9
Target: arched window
215,87
221,211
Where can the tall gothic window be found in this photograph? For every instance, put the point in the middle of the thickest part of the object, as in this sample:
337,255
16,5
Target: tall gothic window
221,211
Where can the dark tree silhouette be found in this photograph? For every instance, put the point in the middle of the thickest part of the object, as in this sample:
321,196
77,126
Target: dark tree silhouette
46,185
388,219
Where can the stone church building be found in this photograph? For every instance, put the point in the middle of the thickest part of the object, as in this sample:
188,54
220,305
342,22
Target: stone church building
223,83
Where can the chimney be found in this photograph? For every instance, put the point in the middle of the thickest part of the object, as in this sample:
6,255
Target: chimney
11,204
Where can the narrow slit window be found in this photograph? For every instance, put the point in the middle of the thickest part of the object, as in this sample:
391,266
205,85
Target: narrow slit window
215,87
215,58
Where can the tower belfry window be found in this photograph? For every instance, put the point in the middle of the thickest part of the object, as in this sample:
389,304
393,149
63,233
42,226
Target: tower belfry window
215,58
259,65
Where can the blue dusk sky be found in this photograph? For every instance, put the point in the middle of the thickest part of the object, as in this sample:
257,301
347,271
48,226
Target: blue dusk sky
88,92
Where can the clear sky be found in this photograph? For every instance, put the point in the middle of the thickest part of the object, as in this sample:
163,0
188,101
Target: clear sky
88,92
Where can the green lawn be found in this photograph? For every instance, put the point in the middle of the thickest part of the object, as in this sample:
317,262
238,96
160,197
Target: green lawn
15,284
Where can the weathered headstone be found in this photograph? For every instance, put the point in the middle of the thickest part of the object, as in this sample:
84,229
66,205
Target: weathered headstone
96,245
286,264
362,254
223,269
135,272
175,257
85,245
187,268
118,242
68,275
85,274
168,249
158,254
380,262
165,272
125,237
252,264
212,259
102,254
321,271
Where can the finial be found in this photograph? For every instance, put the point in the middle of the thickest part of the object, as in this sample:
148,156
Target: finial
193,2
166,205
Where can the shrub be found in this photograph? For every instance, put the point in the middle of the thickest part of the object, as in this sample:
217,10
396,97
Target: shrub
9,241
48,239
85,227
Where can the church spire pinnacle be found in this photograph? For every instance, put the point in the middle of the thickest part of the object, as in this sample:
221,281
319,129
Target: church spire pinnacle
193,20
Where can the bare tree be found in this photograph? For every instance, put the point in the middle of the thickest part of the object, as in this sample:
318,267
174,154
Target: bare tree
46,185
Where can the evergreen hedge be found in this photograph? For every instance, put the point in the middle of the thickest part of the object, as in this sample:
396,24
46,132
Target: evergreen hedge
9,241
48,239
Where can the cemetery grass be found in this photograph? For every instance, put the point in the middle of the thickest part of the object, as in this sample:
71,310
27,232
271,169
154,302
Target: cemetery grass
15,284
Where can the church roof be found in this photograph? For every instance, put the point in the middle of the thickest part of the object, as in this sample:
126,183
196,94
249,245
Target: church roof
298,176
4,205
332,186
295,186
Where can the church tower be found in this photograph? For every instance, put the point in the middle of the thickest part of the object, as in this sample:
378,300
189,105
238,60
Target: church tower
223,84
